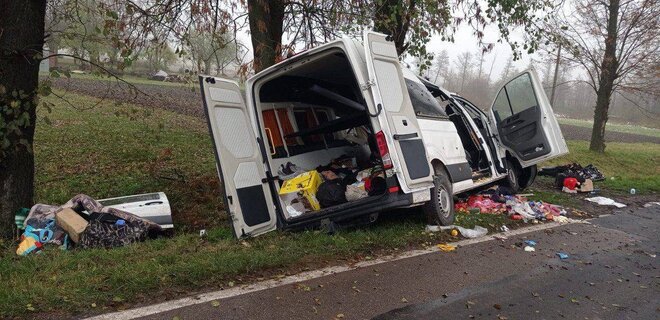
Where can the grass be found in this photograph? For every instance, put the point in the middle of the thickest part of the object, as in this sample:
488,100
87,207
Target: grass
626,165
614,127
119,150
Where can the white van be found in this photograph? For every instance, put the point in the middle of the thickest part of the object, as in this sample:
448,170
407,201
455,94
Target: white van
347,101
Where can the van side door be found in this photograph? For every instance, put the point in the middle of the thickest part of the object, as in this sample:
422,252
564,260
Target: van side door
401,130
525,122
239,158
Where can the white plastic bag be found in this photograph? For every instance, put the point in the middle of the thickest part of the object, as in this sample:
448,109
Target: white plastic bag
477,232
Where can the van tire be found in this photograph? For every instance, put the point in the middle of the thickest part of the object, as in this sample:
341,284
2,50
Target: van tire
513,175
527,177
440,209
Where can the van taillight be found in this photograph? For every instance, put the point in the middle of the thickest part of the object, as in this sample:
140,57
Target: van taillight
384,151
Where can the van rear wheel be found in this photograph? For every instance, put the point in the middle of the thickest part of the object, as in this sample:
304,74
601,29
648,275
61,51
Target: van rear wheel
440,209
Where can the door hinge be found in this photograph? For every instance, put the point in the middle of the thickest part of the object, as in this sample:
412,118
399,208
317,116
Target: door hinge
367,85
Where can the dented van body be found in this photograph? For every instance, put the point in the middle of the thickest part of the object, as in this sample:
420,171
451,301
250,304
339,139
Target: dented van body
352,98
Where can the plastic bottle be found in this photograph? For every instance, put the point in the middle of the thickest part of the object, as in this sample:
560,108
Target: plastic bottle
633,191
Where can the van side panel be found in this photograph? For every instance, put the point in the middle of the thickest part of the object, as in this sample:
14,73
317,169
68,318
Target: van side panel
443,143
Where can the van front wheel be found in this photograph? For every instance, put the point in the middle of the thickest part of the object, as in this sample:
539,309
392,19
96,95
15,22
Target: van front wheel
440,209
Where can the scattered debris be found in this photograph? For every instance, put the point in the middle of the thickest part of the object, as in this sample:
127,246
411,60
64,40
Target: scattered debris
84,221
446,247
650,204
530,243
605,202
562,255
529,249
477,232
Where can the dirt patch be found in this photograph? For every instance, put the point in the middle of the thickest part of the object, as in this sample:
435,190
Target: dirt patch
581,133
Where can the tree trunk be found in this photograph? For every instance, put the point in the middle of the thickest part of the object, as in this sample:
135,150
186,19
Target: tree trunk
266,23
606,82
21,45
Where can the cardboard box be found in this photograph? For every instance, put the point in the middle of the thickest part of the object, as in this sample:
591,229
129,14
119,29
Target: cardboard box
72,223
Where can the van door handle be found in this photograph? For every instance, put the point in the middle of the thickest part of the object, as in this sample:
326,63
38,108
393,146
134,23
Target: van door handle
405,136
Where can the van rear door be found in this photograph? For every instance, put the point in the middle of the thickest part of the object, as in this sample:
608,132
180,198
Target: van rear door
239,158
398,120
525,122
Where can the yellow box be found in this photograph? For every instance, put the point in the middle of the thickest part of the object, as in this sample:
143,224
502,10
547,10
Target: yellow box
305,184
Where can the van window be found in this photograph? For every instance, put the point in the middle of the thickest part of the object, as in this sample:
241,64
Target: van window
516,96
424,104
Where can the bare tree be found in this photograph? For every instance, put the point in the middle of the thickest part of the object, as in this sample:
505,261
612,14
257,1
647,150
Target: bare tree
616,43
464,65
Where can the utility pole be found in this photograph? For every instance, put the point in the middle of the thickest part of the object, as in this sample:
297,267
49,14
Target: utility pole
554,81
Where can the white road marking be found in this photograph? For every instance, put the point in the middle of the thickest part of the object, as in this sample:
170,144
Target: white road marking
309,275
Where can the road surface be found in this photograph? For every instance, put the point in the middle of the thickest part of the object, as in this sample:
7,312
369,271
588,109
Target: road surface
611,273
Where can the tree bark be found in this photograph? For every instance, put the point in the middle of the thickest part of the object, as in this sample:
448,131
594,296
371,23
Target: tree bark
266,24
21,46
606,82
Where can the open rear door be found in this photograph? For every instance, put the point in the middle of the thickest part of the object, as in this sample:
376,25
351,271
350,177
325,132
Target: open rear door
240,162
525,122
404,138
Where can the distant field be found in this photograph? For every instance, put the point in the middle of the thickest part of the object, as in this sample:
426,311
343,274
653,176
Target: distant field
615,127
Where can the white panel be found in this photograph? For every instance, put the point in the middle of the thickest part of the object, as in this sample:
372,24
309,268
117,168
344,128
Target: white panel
247,175
400,128
225,95
234,131
387,77
384,49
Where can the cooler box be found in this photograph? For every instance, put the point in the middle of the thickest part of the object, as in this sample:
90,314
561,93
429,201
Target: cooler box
151,206
305,184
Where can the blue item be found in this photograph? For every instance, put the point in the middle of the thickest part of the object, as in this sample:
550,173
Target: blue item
562,255
120,222
530,243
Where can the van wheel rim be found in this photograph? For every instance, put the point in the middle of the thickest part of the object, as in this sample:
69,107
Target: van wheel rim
512,176
443,201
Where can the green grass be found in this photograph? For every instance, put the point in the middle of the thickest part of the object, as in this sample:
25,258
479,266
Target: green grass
626,165
119,150
615,127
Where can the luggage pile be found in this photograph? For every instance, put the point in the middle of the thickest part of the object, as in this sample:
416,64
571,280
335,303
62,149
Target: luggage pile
338,182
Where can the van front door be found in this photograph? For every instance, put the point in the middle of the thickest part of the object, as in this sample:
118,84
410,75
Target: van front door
398,120
239,158
525,122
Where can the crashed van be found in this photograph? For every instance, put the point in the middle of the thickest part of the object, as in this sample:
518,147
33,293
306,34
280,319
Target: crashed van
347,117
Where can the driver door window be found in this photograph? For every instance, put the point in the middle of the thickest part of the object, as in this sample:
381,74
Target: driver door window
516,96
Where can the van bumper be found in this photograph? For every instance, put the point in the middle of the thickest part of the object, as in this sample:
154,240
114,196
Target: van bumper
385,202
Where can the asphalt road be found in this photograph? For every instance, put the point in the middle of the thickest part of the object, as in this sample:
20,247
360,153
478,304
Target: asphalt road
611,273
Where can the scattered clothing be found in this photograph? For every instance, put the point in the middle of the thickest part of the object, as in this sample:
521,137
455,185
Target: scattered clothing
605,202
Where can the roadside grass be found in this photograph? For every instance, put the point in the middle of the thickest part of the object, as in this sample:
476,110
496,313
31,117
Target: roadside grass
625,165
614,127
116,150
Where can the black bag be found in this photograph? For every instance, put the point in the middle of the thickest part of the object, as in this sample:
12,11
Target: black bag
331,193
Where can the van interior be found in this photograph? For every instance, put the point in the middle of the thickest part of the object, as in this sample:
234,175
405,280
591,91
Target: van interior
318,134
